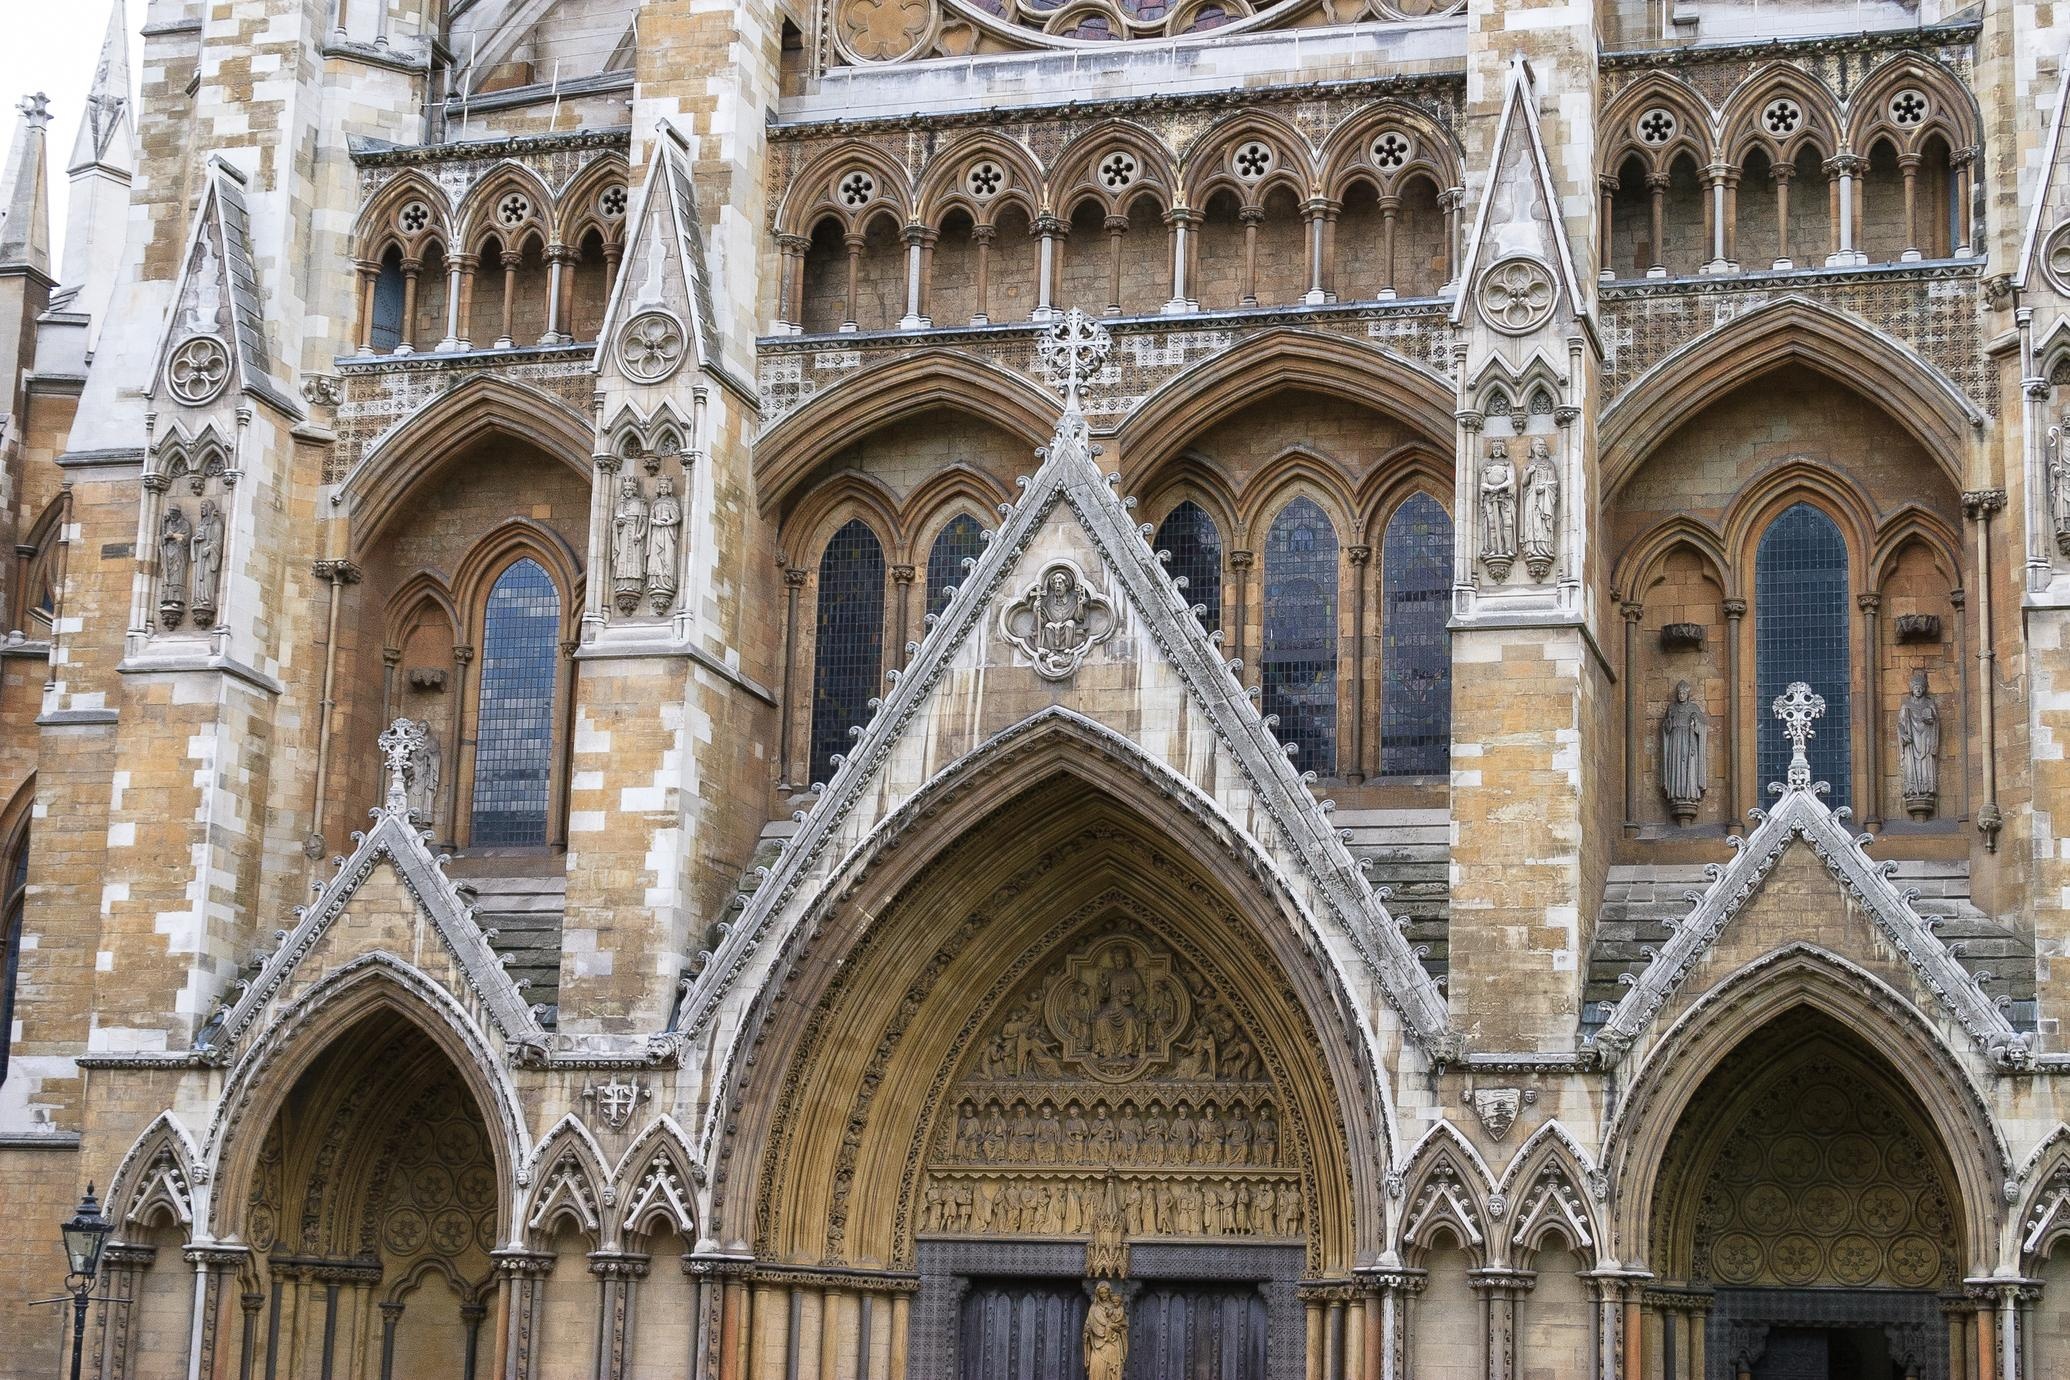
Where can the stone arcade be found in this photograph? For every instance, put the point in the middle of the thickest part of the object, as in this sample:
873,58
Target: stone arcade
991,690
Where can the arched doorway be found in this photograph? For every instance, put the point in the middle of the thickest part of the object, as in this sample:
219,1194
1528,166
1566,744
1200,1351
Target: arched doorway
1806,1219
370,1205
1061,1053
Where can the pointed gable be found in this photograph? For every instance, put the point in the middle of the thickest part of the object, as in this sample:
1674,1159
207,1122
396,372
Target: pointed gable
1519,213
395,898
1133,642
1802,818
106,137
664,272
2048,199
216,299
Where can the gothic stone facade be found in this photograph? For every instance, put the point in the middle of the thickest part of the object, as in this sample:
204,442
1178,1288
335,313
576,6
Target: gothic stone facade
918,689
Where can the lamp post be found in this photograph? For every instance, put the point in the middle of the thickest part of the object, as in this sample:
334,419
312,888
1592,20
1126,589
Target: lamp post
85,1235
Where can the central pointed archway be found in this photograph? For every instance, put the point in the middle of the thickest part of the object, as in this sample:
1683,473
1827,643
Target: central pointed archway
1036,1038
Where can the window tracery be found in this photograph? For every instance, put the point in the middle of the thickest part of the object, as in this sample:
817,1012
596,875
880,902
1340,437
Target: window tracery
513,763
1801,633
1299,660
848,641
1416,653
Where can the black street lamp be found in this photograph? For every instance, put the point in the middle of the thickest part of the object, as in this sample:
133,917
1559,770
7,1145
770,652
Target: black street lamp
85,1235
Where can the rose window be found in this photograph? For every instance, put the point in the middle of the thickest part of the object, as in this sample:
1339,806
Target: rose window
1517,296
611,202
1782,116
1253,161
198,369
984,179
651,347
1391,150
413,217
857,188
1656,127
1909,107
1118,170
513,209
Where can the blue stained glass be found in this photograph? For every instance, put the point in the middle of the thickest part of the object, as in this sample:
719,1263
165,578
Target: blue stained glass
1801,633
513,755
1189,534
848,646
958,539
1415,649
1299,661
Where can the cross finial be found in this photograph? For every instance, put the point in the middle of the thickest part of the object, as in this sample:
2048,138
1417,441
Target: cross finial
35,109
1797,707
1074,349
399,744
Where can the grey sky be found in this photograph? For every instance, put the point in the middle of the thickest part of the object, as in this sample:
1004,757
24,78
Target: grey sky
51,47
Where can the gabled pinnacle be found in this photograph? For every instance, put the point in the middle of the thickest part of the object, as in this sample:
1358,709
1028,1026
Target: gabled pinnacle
105,131
25,193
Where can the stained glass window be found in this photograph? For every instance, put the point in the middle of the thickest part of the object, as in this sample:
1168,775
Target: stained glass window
1189,534
388,305
1415,650
1800,633
957,540
1300,650
513,755
848,646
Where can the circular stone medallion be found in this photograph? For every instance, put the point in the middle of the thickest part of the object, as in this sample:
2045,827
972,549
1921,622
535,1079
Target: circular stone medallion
197,369
1517,295
651,347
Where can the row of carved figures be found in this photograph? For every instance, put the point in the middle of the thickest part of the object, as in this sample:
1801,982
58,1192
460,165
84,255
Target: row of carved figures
190,565
1235,1134
1152,1207
646,537
1519,513
1685,733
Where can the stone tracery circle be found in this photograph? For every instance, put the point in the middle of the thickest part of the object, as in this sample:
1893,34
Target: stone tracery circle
1910,107
1782,116
855,189
197,369
1116,170
1392,150
1656,127
2055,257
985,179
650,348
612,201
1252,160
514,209
413,218
1517,295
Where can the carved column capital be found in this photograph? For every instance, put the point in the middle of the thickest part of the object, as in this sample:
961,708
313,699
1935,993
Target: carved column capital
1868,603
338,572
1979,504
795,575
1632,610
1359,554
462,653
793,244
1242,560
902,574
1735,608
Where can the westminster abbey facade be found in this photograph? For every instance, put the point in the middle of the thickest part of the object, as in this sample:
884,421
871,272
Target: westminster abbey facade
1041,690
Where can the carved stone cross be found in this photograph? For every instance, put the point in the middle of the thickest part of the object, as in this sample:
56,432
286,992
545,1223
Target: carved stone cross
1074,349
399,744
1797,707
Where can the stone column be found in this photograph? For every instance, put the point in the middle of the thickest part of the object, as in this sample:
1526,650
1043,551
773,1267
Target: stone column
1387,1339
216,1269
1046,228
1657,186
1714,187
1390,214
1607,187
618,1274
794,579
406,341
1117,226
1736,717
511,259
1251,218
1781,174
1240,563
917,238
1843,170
1908,165
854,241
464,319
1870,800
1499,1291
518,1278
368,272
1360,556
454,276
902,581
1633,612
790,315
1179,219
982,236
1978,505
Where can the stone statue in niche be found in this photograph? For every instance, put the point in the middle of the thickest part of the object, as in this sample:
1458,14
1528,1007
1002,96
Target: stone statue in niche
1058,620
175,555
1106,1334
2059,484
664,541
1685,734
629,545
1498,503
207,561
421,771
1541,517
1919,748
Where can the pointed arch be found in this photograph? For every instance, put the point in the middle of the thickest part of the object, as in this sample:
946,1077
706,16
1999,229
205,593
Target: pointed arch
1295,471
156,1174
952,490
822,511
377,983
1805,977
1620,136
1550,1185
1742,128
380,222
2044,1220
1446,1185
1639,565
1798,333
1078,170
1279,361
1952,114
568,1174
1192,476
873,399
1348,153
412,455
814,193
944,186
482,214
577,209
657,1179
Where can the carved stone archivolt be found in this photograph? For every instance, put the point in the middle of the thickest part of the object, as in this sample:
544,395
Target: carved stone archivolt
1117,1083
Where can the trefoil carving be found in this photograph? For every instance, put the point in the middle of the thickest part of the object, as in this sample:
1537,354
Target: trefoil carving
1058,620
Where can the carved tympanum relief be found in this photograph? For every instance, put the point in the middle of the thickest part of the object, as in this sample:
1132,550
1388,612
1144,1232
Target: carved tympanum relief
1058,620
1118,1083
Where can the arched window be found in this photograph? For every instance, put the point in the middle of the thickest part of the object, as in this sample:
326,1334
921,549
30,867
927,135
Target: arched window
1415,651
848,647
1300,652
387,330
514,737
14,886
957,541
1189,534
1800,633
